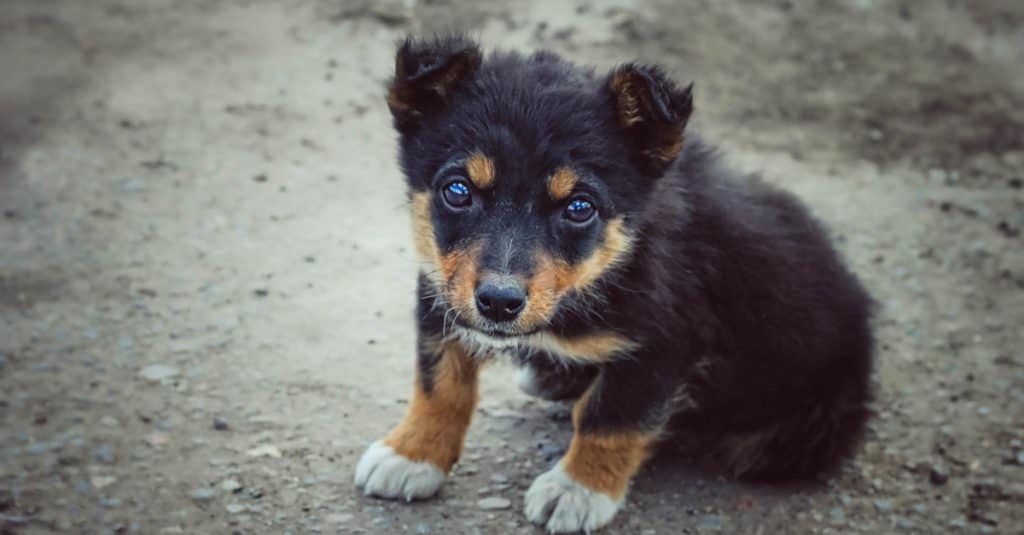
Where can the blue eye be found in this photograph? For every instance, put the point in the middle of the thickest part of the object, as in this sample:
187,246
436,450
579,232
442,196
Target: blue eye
580,210
457,194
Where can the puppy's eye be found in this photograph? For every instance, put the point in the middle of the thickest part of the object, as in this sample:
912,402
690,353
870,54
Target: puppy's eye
580,210
457,194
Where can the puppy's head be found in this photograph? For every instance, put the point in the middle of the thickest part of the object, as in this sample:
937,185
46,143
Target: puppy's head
526,174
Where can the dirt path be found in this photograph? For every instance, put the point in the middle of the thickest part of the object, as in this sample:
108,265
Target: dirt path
206,282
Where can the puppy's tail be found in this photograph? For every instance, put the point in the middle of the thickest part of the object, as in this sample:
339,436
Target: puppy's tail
810,442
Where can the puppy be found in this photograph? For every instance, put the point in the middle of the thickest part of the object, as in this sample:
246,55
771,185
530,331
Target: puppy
569,221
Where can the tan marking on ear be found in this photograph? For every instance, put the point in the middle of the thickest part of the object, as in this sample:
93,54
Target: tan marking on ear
605,462
553,278
628,105
561,183
481,171
670,151
435,425
592,347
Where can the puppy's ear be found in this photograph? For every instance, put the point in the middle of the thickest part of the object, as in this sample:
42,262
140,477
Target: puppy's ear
653,111
426,73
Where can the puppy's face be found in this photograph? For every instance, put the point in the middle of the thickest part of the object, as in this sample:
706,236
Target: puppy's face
525,175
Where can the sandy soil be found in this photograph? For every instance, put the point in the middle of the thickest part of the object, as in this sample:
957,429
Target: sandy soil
206,282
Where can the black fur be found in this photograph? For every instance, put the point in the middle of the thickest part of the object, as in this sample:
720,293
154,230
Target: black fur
750,330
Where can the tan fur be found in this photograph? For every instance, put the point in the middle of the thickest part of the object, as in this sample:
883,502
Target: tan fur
631,96
606,462
435,425
625,92
599,346
481,171
454,273
561,183
554,278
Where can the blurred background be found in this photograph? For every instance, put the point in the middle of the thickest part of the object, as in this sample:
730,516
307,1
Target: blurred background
206,276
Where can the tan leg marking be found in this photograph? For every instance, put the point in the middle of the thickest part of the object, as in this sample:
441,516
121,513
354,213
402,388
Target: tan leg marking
435,425
606,462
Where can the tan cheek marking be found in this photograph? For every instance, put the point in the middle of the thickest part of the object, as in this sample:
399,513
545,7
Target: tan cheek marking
561,183
606,462
593,347
423,228
435,425
481,171
553,278
462,269
455,272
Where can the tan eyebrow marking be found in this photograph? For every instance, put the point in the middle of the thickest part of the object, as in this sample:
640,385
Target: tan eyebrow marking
481,170
561,183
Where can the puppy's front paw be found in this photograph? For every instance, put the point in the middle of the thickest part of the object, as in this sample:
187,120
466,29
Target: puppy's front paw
562,505
385,473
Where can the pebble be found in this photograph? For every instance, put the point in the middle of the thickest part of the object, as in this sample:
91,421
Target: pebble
158,372
939,474
883,506
499,478
494,503
338,518
710,522
234,508
105,454
837,516
231,485
220,424
266,450
100,482
3,361
1020,458
203,495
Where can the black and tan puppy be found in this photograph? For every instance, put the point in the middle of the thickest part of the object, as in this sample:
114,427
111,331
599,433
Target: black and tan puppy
569,221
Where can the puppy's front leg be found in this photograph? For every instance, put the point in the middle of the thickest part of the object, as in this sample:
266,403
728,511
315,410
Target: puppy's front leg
616,425
414,459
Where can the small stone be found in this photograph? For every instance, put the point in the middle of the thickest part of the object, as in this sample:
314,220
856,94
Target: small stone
494,503
202,495
710,523
109,502
220,424
231,485
938,474
338,518
883,506
499,478
837,516
959,523
105,454
1020,458
157,373
157,439
100,482
266,450
110,421
234,508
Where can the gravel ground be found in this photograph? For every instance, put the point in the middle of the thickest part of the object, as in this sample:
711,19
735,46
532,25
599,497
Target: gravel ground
206,279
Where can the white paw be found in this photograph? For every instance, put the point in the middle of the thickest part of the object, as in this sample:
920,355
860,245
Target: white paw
385,473
562,505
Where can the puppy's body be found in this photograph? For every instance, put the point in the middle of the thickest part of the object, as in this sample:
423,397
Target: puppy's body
566,221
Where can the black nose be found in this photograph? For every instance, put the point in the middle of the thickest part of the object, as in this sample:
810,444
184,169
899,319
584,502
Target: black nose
500,302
